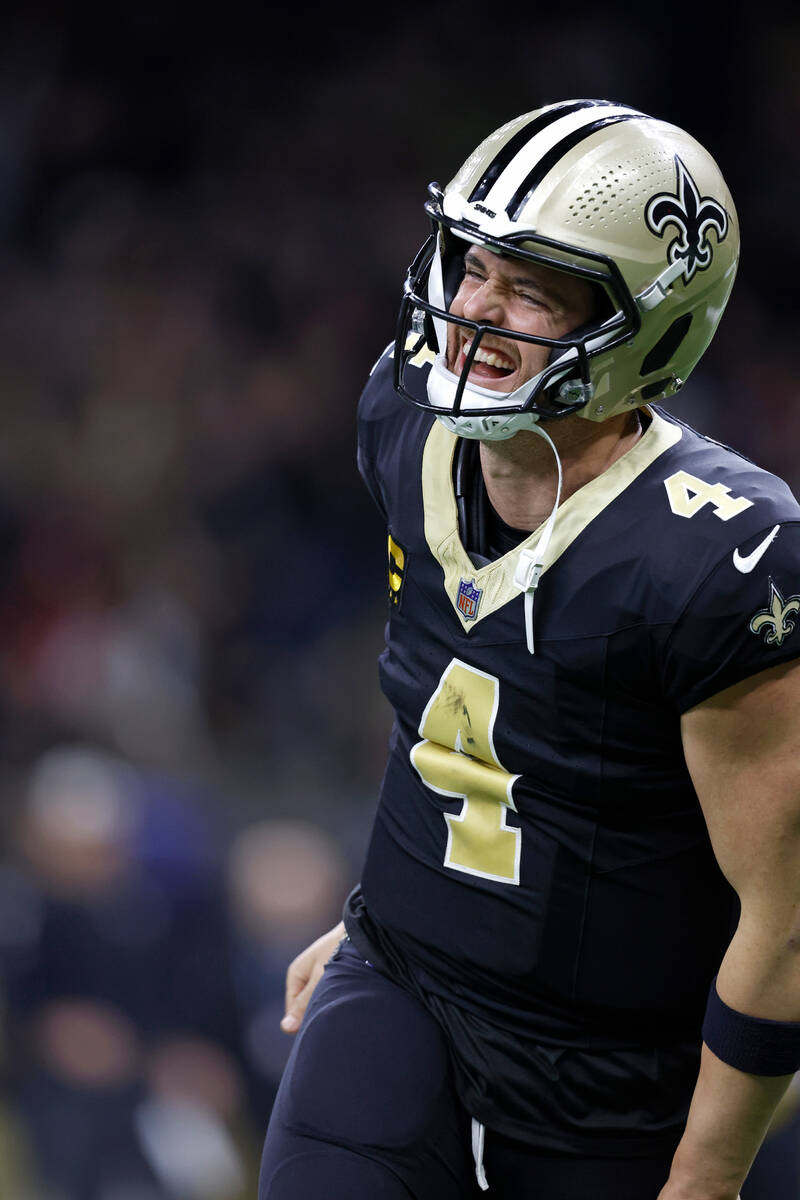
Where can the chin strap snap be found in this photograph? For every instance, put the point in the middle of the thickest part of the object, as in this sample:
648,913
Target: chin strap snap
530,563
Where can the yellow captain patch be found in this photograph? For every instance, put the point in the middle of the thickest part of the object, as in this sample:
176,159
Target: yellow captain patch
397,571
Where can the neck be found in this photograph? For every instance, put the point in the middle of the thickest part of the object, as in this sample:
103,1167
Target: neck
521,476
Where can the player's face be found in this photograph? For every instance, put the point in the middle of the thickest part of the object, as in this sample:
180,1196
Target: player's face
514,294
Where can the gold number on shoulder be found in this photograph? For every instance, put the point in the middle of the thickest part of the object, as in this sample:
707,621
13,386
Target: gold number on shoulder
457,759
397,566
688,494
424,353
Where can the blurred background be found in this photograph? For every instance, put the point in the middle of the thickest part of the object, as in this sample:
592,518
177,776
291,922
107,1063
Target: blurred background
205,220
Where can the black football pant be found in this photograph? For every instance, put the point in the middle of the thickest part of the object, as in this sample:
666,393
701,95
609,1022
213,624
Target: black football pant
366,1110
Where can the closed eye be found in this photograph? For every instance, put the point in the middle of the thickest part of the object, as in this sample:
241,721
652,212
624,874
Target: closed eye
530,298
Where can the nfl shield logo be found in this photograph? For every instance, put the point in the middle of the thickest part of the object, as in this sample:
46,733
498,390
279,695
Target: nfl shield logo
469,597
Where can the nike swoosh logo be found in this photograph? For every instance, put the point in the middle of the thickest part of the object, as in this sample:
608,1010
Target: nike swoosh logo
746,563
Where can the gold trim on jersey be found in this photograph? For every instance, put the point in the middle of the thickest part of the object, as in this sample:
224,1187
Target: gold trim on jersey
496,579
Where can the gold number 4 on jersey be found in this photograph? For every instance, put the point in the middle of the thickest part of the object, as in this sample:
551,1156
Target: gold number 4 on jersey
687,495
457,759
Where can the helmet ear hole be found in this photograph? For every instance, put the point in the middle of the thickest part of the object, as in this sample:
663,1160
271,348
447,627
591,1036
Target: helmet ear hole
667,344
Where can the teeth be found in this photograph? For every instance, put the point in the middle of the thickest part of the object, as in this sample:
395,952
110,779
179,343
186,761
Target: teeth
490,357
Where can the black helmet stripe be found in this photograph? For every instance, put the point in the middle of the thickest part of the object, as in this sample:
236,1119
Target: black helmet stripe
555,154
522,137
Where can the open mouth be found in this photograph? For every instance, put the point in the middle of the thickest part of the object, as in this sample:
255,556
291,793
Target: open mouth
488,365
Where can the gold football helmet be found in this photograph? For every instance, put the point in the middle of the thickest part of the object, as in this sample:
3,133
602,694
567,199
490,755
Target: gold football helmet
631,204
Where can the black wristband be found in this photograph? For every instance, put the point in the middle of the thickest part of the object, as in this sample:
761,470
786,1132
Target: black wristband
752,1044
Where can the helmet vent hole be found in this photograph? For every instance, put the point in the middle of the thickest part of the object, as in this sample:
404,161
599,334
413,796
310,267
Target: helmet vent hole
617,195
655,389
667,344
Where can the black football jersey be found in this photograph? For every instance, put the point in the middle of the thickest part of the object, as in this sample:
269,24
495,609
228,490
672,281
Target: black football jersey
539,868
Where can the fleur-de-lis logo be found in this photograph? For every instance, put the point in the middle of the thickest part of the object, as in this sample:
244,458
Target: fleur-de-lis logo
775,620
693,215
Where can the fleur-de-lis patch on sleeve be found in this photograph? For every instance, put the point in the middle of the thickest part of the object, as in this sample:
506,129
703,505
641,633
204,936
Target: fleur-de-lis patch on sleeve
776,621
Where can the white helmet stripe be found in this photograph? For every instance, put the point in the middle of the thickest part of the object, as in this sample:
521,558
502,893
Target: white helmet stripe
521,138
553,157
537,147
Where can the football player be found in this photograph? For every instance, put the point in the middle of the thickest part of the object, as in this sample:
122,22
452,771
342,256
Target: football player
571,968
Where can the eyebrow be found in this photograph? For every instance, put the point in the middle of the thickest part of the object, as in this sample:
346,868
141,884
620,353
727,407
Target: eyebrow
472,259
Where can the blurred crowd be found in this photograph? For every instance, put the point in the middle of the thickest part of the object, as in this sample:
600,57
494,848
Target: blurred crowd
202,243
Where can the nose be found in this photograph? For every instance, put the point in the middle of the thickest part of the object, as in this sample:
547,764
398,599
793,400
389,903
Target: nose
485,303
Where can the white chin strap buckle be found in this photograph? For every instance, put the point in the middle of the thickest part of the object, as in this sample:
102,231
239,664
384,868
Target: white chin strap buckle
478,1138
529,568
526,577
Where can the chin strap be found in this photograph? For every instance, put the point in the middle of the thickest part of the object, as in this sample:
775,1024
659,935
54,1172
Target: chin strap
478,1138
531,562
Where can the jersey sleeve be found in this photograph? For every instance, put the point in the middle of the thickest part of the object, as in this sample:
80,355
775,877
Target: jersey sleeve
743,618
369,423
366,468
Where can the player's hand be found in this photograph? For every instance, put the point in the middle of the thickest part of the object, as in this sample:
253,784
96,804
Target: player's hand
304,974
